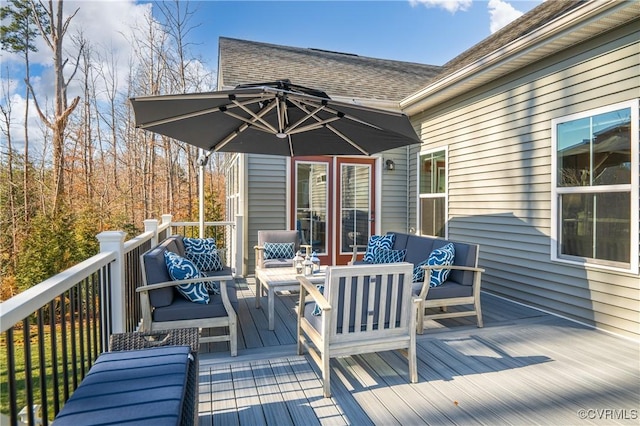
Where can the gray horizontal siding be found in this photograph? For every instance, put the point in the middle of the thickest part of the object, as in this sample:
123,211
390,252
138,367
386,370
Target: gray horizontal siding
499,141
266,198
393,215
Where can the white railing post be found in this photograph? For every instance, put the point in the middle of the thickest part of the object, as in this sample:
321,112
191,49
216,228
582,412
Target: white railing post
113,241
151,225
239,238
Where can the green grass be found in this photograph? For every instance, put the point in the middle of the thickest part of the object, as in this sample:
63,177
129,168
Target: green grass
21,382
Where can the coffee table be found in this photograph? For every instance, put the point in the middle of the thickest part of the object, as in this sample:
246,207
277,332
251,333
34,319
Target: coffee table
279,279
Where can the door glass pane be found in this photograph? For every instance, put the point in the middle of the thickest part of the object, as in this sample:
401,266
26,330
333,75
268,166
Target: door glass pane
311,204
355,205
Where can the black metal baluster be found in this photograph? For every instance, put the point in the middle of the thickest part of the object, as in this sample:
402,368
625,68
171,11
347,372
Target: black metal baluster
54,357
11,371
43,366
28,376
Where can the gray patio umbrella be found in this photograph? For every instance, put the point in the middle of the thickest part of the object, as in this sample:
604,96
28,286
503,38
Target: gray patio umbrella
276,118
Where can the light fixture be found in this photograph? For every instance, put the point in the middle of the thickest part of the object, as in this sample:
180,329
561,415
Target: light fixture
390,165
281,135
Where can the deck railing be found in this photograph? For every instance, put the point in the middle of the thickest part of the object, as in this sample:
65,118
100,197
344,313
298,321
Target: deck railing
53,332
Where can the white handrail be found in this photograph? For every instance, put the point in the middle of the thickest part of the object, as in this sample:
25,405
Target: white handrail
24,304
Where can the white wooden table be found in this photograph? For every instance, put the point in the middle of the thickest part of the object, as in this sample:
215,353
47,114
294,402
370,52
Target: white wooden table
279,279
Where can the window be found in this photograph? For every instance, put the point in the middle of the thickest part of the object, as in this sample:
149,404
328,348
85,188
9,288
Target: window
432,192
595,187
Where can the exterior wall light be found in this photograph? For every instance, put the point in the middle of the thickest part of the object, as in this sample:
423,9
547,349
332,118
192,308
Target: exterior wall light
389,165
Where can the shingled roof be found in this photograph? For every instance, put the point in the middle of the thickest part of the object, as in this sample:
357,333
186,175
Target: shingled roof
338,74
535,18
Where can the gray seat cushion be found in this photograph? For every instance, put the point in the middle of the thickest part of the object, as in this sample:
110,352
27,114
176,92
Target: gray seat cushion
182,309
447,290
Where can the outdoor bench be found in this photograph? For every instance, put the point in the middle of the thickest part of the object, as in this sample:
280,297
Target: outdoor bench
462,287
145,379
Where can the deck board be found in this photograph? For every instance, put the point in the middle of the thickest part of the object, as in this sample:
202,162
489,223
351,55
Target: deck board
524,367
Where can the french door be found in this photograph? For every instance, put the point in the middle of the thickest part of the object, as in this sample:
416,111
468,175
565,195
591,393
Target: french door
333,200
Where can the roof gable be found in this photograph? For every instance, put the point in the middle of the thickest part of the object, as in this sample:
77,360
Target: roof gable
338,74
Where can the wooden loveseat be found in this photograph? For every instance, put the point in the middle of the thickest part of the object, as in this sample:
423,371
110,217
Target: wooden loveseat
462,287
163,307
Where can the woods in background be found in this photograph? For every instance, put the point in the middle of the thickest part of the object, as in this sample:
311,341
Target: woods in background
86,168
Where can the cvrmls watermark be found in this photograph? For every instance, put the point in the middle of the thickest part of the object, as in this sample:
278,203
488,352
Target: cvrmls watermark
608,414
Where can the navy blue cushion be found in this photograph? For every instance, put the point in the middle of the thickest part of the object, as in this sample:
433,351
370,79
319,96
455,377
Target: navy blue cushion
142,387
278,250
377,242
181,268
389,256
441,257
203,253
182,309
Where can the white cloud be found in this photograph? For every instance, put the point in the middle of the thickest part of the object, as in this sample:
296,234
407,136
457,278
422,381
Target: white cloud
501,14
450,5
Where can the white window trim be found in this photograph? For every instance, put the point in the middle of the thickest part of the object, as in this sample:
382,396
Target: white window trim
634,105
446,190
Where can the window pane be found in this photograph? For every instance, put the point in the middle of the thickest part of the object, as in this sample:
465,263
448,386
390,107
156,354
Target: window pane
432,216
612,148
613,225
595,150
574,141
596,226
311,204
432,173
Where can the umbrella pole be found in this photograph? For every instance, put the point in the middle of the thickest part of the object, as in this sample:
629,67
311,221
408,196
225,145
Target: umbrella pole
201,193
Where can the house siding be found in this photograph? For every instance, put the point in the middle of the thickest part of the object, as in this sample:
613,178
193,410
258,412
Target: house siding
395,190
266,198
499,141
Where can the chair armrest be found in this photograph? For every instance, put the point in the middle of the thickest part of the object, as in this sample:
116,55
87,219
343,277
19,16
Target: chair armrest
476,277
259,257
458,267
147,288
354,255
308,287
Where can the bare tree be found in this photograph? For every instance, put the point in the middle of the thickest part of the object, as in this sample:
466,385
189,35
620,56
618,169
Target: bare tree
54,36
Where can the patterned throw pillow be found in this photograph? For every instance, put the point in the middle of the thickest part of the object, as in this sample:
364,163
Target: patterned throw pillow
316,310
418,272
442,256
181,268
377,242
278,251
389,256
203,253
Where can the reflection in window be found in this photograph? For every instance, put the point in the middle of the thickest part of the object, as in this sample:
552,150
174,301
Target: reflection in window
355,205
594,166
311,204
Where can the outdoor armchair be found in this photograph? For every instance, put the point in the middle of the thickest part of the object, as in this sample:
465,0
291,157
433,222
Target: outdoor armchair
360,309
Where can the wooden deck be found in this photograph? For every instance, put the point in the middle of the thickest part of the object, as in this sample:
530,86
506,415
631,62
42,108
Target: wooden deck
524,367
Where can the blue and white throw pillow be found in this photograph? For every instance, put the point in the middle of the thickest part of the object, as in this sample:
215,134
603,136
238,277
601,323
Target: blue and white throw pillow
389,256
181,268
316,309
203,253
278,251
377,242
441,257
418,272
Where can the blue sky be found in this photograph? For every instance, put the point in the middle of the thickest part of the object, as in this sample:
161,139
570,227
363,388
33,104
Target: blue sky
424,31
429,31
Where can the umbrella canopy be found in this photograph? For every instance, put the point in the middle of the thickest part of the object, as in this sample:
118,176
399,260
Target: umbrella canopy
276,118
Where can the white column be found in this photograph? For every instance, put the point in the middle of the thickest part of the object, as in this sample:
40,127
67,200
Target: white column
113,241
239,246
151,225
